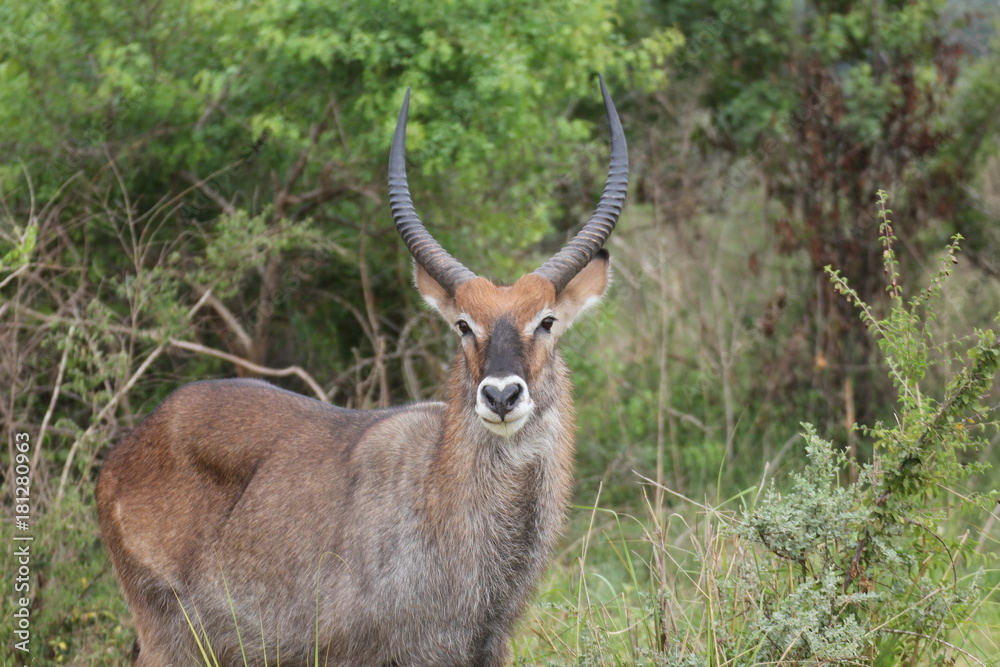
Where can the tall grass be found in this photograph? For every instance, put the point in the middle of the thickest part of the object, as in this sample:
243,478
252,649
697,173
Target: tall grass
688,588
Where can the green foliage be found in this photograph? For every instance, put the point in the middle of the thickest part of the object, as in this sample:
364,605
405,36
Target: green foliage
191,186
923,451
755,56
20,254
235,92
812,513
814,599
858,572
239,149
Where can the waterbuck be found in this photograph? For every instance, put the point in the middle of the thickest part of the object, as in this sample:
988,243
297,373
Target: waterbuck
260,525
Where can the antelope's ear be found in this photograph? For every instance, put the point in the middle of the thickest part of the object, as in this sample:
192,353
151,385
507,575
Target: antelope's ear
586,288
436,296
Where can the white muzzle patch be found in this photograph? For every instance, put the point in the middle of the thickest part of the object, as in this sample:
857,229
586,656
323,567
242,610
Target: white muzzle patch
504,404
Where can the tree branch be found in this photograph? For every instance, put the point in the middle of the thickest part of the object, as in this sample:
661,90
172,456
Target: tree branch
232,324
202,184
255,368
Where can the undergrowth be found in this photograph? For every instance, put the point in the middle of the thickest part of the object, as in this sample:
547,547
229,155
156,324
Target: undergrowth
843,563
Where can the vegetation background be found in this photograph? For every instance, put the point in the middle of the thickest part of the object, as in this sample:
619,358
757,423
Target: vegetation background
195,189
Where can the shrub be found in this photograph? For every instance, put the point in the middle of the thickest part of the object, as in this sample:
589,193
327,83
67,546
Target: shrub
845,563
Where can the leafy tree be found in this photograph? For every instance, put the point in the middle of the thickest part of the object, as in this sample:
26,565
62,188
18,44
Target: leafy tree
189,113
824,102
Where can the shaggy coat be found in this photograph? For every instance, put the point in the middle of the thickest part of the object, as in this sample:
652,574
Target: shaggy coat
259,522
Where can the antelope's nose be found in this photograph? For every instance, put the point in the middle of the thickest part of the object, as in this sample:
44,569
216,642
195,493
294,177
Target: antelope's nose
501,400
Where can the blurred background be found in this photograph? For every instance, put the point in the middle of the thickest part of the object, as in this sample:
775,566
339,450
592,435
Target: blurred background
196,189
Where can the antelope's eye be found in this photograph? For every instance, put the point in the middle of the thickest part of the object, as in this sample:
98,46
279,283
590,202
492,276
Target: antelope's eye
463,327
547,323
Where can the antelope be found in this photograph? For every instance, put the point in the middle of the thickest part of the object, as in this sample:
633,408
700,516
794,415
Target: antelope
260,526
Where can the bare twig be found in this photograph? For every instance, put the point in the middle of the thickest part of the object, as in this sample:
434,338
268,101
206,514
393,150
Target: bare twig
102,415
297,371
202,184
269,275
216,103
266,303
129,213
377,340
335,108
653,482
20,270
232,324
52,402
910,633
281,196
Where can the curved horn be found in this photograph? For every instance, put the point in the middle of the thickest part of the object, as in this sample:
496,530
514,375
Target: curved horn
445,269
565,264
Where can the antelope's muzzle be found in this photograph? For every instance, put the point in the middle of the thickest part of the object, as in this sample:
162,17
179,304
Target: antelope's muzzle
504,404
